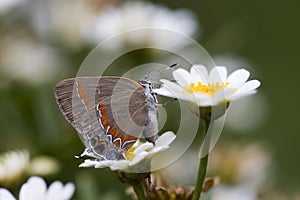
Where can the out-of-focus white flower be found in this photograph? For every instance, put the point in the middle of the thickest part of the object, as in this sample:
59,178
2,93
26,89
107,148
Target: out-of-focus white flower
43,165
239,192
137,153
26,60
139,14
208,89
243,171
60,20
6,5
13,165
75,22
64,21
36,189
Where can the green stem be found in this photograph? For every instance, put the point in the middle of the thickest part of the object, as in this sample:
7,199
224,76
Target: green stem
202,167
139,191
200,178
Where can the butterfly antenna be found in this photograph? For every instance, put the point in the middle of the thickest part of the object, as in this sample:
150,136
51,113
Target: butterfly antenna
173,65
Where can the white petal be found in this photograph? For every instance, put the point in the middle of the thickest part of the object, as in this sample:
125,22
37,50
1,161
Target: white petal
85,165
121,164
248,86
33,189
105,163
58,191
203,99
198,98
143,147
169,88
101,165
69,190
165,92
88,163
240,95
137,143
138,158
165,139
238,78
182,77
217,74
158,149
54,191
206,103
169,91
223,95
188,97
201,71
247,89
6,195
171,84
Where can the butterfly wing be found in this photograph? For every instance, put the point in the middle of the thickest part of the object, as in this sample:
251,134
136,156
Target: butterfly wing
109,113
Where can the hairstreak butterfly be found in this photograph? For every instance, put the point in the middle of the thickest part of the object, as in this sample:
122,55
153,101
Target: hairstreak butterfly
110,113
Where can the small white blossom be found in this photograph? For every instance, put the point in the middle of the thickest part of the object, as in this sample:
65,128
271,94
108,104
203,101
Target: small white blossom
36,189
137,153
208,89
24,59
13,165
43,166
138,14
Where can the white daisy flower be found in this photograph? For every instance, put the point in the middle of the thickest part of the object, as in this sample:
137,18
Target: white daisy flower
208,89
136,154
36,189
13,164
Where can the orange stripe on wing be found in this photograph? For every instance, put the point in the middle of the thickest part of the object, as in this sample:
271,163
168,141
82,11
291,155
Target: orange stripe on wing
104,120
82,95
117,138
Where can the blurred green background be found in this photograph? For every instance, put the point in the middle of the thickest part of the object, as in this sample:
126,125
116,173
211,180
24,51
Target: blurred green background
43,42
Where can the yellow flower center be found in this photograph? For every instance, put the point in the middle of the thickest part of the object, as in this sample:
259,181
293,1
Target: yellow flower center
210,89
129,155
